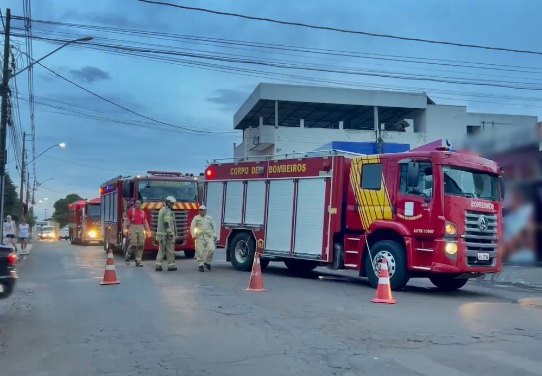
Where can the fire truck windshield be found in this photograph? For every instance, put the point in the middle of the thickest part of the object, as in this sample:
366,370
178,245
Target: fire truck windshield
93,211
157,190
473,184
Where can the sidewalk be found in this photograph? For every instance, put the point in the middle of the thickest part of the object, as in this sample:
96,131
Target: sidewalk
523,275
26,251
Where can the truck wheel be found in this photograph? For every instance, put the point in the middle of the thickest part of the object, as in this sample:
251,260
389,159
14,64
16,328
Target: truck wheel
189,254
447,282
300,266
242,248
397,266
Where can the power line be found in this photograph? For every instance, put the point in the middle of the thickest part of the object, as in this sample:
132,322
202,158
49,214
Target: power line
233,43
126,108
315,68
340,30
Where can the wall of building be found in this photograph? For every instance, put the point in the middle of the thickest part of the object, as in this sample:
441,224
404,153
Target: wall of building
445,122
300,140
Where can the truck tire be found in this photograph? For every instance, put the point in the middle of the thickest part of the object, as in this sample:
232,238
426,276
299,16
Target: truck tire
397,265
241,248
189,254
300,266
447,282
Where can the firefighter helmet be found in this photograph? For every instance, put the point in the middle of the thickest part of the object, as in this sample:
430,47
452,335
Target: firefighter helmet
203,207
170,199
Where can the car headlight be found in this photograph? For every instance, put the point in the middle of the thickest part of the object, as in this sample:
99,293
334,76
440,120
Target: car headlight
451,248
92,234
450,229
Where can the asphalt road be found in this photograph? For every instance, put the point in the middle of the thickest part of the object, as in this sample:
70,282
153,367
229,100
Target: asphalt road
60,321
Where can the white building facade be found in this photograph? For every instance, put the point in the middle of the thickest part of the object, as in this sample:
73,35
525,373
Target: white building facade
285,119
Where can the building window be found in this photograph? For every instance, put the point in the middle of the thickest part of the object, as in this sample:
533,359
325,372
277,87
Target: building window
473,129
371,176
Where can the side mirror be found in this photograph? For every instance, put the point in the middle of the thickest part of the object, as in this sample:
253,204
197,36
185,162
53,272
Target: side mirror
413,174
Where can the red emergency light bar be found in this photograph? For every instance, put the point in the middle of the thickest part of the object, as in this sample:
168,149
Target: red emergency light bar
209,173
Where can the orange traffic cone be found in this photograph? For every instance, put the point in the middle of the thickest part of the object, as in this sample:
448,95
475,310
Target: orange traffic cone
110,275
383,290
255,283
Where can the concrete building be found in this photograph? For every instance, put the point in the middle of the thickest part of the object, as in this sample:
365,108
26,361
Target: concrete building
284,119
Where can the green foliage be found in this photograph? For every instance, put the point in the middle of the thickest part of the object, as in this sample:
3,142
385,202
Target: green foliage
61,209
12,205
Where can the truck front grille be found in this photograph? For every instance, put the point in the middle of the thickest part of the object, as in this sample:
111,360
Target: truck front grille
181,223
481,237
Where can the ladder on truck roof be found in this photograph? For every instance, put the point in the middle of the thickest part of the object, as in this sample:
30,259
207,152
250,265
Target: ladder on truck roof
309,154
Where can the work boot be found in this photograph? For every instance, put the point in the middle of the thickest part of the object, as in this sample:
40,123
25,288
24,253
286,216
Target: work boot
127,262
158,268
200,268
208,266
171,268
139,265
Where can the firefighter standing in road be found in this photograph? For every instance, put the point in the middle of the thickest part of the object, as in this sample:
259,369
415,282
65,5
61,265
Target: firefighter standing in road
203,232
166,233
137,227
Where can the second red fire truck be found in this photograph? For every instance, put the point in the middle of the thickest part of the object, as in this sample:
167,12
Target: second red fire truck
119,193
84,222
432,214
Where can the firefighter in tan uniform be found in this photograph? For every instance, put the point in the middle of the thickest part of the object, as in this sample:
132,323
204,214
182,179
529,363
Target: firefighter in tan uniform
166,234
204,234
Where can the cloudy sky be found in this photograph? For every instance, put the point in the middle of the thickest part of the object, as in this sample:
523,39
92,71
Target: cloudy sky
105,141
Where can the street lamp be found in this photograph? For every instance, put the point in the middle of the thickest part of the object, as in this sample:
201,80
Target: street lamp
79,40
61,145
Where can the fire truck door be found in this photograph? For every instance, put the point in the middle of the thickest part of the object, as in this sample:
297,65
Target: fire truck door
310,217
415,200
279,216
214,199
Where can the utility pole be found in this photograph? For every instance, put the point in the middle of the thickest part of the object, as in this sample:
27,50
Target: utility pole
4,120
23,173
45,211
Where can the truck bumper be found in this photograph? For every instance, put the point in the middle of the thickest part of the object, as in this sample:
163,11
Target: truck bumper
464,262
7,284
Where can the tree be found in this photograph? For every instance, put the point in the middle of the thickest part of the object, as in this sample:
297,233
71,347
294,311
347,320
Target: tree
12,205
61,208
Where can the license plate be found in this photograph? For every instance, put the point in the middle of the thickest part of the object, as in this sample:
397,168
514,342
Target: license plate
483,256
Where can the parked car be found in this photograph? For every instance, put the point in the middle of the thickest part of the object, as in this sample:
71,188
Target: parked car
48,233
64,233
8,275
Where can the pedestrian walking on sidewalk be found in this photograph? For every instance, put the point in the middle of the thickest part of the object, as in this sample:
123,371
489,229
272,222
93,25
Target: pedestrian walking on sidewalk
24,234
204,234
137,227
166,234
10,231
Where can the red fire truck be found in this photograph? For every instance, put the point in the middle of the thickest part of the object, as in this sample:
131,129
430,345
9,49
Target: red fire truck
84,222
433,214
119,193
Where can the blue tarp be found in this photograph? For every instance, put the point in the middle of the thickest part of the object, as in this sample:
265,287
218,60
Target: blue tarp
364,147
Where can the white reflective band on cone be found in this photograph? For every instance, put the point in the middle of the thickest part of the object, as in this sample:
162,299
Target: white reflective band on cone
110,267
110,255
384,281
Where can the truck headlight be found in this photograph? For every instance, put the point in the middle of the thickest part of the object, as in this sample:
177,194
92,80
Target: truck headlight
92,234
450,229
451,248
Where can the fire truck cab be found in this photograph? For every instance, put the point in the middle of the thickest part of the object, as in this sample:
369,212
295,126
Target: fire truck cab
84,222
118,194
433,214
